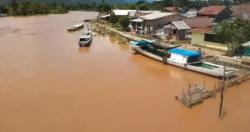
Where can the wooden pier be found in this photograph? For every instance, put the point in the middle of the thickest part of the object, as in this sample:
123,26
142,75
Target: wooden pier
195,95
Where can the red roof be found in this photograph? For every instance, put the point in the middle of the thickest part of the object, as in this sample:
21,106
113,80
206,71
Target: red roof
199,22
242,10
172,9
211,10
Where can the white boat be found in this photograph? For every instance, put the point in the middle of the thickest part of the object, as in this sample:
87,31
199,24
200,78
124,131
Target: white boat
191,60
183,58
76,27
86,39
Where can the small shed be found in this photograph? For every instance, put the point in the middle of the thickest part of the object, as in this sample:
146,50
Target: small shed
246,48
177,29
136,24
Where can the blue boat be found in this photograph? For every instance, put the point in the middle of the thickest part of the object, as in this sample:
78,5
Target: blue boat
184,58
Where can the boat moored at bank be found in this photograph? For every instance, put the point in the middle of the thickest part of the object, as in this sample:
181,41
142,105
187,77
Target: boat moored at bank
184,58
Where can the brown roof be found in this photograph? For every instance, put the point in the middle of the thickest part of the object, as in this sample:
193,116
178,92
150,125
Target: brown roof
242,10
172,9
211,10
199,22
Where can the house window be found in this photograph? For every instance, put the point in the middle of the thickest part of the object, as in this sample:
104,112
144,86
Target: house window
212,38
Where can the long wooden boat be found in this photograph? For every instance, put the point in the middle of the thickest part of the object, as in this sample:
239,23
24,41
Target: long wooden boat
76,27
86,39
183,58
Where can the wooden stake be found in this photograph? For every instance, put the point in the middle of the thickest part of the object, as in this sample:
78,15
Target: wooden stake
221,110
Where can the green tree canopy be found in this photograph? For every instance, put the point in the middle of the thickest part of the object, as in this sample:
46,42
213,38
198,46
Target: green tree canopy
124,22
143,6
233,33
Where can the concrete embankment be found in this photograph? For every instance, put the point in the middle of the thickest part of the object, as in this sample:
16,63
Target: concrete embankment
122,34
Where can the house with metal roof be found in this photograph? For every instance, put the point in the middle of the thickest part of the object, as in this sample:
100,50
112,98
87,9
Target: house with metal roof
152,22
242,11
217,13
202,33
178,30
118,12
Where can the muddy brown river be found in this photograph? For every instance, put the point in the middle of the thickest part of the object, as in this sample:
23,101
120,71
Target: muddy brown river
49,84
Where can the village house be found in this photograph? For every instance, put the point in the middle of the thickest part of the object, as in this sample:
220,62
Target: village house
241,11
148,24
217,13
118,12
132,13
202,33
177,30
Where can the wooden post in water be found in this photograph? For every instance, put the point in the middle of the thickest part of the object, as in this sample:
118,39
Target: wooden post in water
221,110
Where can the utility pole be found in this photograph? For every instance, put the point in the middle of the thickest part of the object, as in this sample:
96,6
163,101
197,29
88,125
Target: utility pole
222,89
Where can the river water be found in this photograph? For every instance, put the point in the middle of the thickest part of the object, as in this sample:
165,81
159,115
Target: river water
49,84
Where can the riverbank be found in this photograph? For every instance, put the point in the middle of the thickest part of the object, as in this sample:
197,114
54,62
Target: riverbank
129,36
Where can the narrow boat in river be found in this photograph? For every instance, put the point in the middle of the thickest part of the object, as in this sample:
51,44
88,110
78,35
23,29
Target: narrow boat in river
184,58
86,39
76,27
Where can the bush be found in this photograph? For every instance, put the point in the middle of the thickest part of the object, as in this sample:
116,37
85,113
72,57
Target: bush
124,22
113,19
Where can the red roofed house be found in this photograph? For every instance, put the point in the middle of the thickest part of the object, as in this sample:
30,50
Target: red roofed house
202,33
218,13
242,11
172,9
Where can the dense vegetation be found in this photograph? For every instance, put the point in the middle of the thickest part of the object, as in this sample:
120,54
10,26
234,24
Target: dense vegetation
18,7
32,8
233,33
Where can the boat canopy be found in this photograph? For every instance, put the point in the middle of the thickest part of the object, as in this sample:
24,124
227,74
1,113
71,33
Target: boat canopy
186,52
143,43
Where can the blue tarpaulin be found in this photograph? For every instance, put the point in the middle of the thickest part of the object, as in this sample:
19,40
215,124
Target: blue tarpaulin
185,52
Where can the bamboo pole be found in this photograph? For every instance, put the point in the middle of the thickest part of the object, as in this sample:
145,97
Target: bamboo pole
221,110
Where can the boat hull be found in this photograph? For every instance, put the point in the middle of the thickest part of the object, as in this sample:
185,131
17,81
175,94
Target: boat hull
71,29
85,44
219,72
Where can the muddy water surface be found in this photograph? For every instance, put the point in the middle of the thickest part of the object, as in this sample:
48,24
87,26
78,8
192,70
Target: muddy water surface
48,84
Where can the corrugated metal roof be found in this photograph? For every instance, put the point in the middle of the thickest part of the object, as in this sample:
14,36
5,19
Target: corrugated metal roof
211,10
154,16
199,22
122,12
137,20
181,25
247,44
242,10
185,52
105,16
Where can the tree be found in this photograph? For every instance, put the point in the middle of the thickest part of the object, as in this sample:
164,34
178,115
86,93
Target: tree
105,8
143,6
113,18
233,33
139,2
124,22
